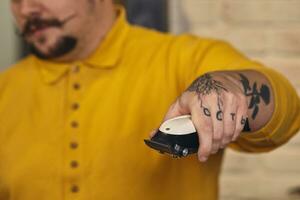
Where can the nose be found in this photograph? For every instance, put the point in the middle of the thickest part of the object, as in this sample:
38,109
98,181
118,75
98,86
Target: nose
30,8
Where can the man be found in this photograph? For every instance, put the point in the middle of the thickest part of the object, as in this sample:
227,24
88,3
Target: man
74,114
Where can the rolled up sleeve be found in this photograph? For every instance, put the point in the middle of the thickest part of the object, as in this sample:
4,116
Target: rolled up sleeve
285,121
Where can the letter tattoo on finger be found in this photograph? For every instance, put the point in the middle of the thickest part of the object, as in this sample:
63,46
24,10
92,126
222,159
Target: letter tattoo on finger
219,115
206,112
232,116
245,123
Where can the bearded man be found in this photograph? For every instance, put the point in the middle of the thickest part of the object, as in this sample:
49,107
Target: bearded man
75,112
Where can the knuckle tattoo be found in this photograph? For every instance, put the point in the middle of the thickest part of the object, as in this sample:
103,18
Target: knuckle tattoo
206,85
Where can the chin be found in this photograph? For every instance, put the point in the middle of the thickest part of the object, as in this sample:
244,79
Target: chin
54,49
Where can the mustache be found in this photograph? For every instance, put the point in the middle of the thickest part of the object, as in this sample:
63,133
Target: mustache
36,23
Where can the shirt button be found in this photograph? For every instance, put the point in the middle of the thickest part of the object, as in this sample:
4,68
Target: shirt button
76,86
74,189
73,145
74,164
75,106
74,124
75,69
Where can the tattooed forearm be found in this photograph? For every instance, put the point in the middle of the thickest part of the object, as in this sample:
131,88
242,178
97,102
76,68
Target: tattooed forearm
219,97
219,115
255,94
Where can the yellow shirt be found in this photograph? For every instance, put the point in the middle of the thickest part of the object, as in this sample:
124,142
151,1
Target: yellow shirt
76,130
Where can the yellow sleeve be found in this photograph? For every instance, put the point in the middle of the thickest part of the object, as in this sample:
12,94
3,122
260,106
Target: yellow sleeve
285,122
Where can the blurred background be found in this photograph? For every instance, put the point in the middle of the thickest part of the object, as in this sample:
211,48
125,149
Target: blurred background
266,30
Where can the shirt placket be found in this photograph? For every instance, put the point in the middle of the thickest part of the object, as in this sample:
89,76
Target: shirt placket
72,161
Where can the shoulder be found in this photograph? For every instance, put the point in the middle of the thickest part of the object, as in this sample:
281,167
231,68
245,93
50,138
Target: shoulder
23,66
140,33
140,37
145,36
17,74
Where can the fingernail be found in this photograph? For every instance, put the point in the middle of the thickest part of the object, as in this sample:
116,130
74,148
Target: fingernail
203,158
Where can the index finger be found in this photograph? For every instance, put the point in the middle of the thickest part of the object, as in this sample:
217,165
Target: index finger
203,125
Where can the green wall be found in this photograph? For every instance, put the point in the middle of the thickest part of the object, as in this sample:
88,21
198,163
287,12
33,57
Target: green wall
8,37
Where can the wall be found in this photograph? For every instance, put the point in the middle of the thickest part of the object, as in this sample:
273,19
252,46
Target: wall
267,30
8,36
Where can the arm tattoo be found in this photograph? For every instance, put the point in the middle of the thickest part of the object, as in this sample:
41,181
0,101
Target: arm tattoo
256,94
205,85
245,122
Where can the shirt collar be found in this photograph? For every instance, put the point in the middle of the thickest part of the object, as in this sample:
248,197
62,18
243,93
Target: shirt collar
105,56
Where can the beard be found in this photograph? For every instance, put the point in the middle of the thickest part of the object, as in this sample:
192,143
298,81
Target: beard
63,46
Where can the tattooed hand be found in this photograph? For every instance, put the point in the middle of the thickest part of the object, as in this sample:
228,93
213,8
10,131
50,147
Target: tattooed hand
218,104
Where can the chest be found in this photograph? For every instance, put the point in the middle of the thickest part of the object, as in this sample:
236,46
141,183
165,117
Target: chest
83,118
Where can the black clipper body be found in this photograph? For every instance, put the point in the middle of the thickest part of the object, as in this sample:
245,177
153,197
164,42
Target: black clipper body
177,137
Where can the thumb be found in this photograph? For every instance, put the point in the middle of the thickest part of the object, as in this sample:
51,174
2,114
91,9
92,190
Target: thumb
177,109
